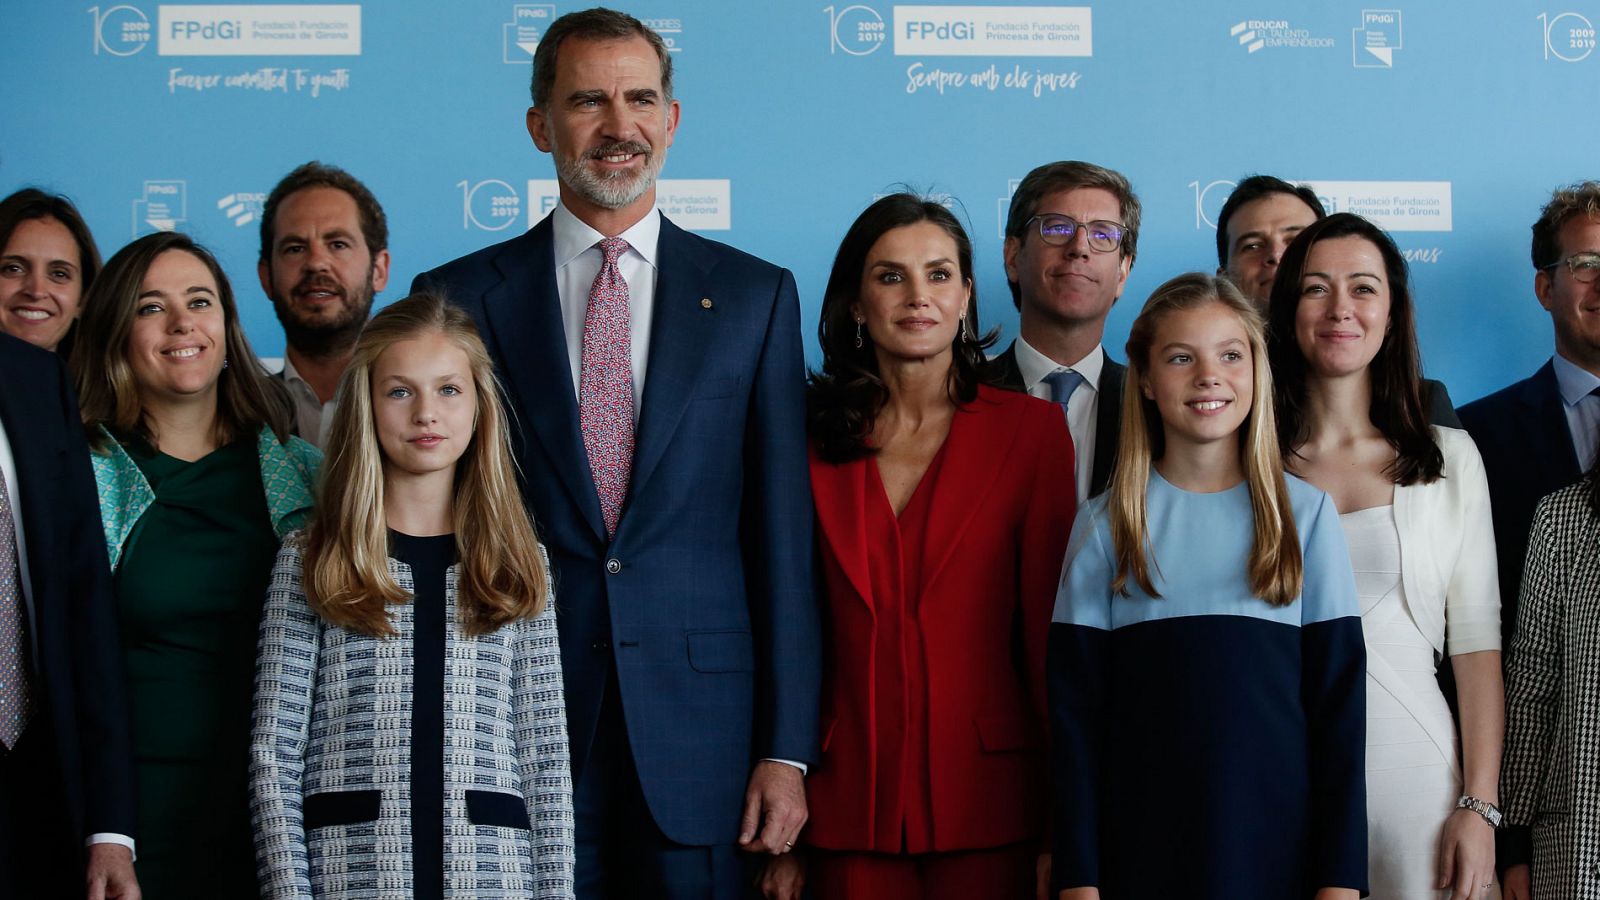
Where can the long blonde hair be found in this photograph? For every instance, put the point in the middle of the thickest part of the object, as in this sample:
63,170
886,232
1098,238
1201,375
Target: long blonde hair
347,579
1275,565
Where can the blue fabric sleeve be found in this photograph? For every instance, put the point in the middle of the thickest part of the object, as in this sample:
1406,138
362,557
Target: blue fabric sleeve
1076,664
1334,692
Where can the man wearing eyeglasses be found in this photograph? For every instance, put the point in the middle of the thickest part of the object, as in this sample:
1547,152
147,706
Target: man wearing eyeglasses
1539,434
1070,241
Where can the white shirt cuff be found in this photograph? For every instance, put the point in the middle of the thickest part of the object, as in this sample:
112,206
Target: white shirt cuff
106,837
789,762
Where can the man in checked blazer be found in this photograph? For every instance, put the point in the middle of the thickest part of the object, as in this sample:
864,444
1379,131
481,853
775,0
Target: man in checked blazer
1064,279
688,622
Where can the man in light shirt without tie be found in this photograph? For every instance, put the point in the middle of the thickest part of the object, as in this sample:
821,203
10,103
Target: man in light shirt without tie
1071,236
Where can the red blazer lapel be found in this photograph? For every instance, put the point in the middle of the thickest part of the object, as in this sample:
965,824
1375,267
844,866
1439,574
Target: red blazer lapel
980,441
841,501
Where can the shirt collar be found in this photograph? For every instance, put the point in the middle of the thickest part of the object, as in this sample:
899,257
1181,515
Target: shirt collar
1575,381
291,376
1035,365
573,236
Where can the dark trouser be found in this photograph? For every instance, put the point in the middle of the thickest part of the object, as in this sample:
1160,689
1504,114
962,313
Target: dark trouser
621,854
39,856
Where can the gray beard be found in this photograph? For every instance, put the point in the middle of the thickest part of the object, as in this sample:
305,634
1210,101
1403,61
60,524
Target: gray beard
608,192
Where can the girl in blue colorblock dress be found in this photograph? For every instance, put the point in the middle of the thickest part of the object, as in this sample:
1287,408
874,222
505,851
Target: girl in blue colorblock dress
1206,664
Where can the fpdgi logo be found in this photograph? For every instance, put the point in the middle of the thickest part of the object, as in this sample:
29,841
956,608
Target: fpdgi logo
1568,36
491,205
1373,43
520,37
857,30
242,208
164,206
120,30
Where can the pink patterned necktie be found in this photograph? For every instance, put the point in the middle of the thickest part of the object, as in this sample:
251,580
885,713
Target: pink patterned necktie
605,385
15,697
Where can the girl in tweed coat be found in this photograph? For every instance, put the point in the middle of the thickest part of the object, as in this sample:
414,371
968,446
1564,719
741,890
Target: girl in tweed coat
409,736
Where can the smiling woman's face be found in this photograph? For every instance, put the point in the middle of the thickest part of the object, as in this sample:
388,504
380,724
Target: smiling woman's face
1344,306
178,341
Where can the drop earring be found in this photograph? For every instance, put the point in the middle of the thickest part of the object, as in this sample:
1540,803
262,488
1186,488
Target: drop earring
963,327
858,334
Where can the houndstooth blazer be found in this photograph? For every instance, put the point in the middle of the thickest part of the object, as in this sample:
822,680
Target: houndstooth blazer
330,754
1551,776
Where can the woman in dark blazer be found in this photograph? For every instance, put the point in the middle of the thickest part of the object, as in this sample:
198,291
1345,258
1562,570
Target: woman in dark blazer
944,507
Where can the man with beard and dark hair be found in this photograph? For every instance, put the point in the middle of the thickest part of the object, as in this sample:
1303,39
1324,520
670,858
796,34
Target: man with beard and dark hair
324,256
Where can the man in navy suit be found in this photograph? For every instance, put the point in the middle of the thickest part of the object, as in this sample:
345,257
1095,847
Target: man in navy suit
1071,236
1539,434
658,381
66,780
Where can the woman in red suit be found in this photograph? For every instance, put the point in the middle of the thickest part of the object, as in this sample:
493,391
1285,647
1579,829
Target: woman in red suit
944,506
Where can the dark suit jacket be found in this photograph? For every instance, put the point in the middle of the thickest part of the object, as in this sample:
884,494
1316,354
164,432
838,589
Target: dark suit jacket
1107,420
996,531
704,601
1440,410
1521,433
78,663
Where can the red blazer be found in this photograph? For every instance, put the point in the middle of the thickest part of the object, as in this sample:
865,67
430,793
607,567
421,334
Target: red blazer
999,521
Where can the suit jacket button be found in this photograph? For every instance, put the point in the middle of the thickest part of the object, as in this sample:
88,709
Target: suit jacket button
613,566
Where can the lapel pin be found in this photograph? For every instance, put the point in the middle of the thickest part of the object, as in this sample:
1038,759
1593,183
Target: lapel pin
705,302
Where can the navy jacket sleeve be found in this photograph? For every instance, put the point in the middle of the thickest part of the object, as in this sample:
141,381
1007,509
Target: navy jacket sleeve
1334,691
100,699
778,535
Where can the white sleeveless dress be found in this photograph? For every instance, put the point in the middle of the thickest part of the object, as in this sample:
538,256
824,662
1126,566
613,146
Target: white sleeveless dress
1413,777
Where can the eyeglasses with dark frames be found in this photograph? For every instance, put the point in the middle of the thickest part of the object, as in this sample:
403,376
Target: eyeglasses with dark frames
1058,230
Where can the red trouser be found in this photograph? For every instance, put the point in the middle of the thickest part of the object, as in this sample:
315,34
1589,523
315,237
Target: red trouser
1001,873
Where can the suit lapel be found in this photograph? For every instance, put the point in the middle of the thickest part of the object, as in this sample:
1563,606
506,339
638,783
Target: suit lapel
682,336
982,433
1108,424
524,312
1552,440
841,502
1007,371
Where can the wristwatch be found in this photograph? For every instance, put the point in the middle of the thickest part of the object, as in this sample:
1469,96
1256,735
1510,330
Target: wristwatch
1489,811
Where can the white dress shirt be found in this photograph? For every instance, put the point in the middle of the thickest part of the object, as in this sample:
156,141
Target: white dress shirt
8,471
312,417
1082,409
1581,406
578,261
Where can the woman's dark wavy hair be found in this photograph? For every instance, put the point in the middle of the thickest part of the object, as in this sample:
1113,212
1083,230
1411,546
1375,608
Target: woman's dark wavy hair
844,398
1397,409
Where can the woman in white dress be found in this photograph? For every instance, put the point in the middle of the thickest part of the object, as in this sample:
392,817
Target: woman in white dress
1414,504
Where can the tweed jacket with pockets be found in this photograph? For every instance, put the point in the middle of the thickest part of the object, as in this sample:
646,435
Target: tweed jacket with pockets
1550,780
288,476
330,754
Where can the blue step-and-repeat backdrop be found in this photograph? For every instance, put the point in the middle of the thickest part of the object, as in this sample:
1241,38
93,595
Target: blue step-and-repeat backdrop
1447,122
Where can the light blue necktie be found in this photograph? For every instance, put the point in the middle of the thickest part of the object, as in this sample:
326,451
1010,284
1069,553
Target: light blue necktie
1062,383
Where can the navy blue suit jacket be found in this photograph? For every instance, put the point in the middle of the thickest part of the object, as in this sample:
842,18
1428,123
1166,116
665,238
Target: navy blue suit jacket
704,599
78,661
1521,432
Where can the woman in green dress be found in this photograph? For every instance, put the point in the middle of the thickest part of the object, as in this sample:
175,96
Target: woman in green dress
199,479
